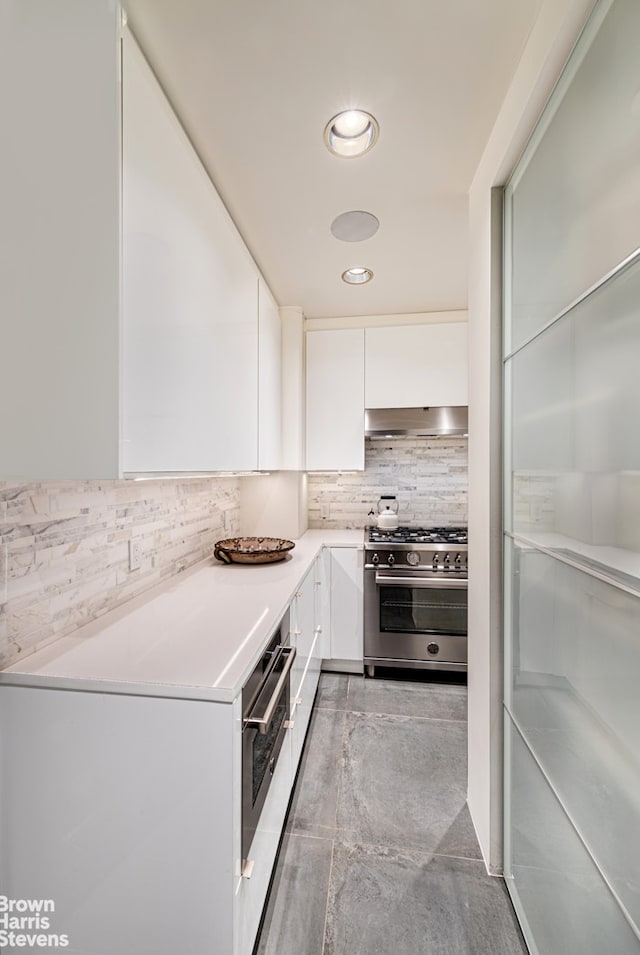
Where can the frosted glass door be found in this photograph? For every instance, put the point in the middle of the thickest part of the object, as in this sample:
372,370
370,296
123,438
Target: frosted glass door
572,505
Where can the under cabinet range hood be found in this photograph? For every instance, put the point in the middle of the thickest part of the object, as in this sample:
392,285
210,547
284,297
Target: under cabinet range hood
450,421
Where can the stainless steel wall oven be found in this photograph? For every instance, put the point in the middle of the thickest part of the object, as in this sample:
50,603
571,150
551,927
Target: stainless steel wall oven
415,598
266,704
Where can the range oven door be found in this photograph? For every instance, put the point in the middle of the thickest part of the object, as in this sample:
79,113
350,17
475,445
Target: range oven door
264,729
413,620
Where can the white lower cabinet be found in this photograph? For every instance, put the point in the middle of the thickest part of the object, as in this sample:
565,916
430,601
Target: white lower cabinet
346,643
323,600
124,811
302,622
251,892
305,636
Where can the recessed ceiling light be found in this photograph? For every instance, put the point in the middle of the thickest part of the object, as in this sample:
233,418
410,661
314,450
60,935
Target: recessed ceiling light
354,226
351,133
357,276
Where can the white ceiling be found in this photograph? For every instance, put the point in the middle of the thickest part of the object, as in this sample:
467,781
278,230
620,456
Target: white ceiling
254,83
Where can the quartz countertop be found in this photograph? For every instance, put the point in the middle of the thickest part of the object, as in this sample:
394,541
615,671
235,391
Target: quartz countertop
196,636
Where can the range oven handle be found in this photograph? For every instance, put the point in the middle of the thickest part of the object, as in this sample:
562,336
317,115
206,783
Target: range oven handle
424,583
262,713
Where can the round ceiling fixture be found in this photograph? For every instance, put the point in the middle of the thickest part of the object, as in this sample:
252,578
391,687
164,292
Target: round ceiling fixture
351,133
357,276
354,226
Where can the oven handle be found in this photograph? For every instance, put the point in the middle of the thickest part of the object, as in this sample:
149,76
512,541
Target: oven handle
424,583
262,722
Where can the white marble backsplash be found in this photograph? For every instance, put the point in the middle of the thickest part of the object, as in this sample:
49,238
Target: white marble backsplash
427,475
64,548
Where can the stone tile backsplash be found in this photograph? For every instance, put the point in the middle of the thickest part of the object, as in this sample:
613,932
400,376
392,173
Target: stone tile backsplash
64,548
428,477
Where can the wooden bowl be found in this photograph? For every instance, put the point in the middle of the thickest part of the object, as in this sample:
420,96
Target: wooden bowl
252,550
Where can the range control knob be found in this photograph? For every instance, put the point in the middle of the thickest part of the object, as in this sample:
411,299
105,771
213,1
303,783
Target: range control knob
433,648
435,561
458,561
391,560
447,561
375,559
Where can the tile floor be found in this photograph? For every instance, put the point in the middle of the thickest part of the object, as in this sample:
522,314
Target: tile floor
379,855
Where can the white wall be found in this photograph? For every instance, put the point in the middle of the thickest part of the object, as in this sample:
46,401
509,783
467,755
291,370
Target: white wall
546,51
274,505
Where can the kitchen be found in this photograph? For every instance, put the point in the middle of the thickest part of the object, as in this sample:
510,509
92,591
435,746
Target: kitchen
69,540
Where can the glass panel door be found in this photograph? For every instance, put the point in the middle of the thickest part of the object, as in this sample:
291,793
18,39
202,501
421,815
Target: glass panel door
572,504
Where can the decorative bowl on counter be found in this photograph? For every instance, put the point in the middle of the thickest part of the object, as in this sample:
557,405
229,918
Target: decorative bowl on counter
252,550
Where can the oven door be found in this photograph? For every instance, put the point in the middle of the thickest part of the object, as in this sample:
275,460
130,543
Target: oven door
413,620
262,736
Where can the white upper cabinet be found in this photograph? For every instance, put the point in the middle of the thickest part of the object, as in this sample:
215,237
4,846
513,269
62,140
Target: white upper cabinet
131,339
190,300
335,400
269,381
415,366
60,222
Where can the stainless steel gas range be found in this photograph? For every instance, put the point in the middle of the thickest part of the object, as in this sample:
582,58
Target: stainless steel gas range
415,598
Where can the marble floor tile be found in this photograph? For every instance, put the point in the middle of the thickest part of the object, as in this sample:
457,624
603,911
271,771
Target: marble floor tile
295,916
398,698
332,691
404,783
315,799
380,855
389,902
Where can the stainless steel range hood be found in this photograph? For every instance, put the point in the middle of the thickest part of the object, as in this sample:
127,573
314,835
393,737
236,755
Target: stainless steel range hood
420,422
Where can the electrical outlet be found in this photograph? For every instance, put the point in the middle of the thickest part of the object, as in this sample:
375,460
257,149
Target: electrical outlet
325,511
135,553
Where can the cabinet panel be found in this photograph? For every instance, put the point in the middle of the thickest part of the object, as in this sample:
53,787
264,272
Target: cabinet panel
346,603
302,707
190,300
112,813
323,601
302,628
412,366
335,400
269,381
60,262
252,892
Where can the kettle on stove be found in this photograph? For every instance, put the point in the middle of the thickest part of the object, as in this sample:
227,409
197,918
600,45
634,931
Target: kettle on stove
387,512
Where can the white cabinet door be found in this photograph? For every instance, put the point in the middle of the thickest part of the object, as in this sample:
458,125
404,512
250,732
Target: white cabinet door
347,603
303,705
415,366
251,893
323,601
335,400
60,221
302,628
113,813
190,300
305,673
269,381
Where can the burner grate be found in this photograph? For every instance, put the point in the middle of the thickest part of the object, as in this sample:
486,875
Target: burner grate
419,535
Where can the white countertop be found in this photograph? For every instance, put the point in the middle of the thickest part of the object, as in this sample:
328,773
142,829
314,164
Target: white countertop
197,636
